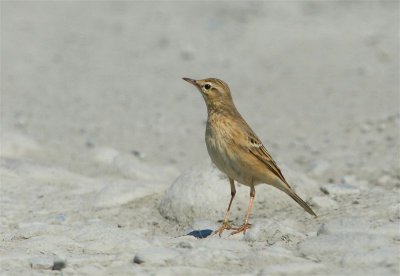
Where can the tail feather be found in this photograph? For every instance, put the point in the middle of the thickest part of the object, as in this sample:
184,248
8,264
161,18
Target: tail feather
301,202
285,187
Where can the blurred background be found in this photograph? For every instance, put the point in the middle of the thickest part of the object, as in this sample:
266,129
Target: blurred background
317,80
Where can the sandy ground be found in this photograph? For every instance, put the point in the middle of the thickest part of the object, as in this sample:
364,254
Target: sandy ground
103,164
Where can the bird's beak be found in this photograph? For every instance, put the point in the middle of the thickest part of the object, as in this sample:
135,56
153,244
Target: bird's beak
192,81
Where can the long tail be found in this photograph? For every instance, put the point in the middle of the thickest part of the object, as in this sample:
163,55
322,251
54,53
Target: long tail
301,202
284,186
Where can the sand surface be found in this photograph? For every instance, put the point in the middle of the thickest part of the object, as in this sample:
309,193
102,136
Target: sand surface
103,164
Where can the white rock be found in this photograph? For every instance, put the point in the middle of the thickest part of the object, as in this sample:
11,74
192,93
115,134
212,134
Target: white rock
273,231
339,189
196,195
155,255
42,263
121,191
48,262
323,202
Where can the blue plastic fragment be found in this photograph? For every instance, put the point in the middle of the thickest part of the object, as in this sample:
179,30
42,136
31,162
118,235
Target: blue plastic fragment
200,234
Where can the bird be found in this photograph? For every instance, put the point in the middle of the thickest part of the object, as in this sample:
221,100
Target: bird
236,150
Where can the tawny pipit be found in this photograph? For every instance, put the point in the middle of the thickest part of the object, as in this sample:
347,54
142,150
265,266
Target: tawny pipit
236,150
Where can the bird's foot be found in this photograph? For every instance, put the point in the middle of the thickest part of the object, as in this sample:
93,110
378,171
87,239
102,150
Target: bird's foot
225,226
242,228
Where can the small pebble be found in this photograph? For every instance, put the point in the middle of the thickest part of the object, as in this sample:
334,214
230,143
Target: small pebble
59,264
42,263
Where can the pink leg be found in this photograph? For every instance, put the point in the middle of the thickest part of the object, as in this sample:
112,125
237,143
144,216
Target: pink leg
225,225
246,225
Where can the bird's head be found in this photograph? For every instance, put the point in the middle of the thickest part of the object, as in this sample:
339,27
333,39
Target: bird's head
216,93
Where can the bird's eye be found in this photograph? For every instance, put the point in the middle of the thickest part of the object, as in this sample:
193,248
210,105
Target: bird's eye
207,86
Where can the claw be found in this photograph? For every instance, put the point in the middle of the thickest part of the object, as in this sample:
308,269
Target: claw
242,228
224,226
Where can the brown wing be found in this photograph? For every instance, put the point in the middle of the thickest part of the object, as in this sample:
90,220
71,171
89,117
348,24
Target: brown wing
255,147
258,150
